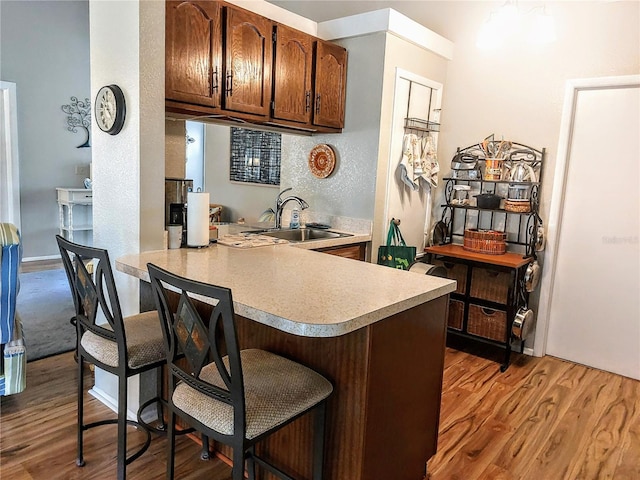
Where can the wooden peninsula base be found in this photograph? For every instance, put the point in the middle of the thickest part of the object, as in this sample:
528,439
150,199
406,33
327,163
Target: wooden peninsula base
382,419
377,333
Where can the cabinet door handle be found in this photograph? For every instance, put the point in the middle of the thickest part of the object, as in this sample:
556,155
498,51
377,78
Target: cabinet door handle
215,80
229,84
318,104
307,106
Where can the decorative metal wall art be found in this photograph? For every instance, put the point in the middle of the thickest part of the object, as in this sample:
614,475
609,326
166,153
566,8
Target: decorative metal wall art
79,116
255,156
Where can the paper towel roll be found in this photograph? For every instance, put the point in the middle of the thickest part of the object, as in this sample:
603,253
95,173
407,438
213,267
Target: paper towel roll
197,219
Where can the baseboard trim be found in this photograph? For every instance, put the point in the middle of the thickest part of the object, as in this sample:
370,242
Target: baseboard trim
38,259
110,402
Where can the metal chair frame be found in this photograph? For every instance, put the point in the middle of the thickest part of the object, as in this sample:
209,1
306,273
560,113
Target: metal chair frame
89,297
222,337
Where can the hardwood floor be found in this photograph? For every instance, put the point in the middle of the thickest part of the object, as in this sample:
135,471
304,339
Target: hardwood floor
39,265
543,419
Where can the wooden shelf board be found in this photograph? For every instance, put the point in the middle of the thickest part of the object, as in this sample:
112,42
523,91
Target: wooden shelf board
509,259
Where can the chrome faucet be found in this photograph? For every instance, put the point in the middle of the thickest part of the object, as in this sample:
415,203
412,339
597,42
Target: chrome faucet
280,203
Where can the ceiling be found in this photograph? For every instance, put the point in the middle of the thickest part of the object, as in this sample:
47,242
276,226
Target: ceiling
423,12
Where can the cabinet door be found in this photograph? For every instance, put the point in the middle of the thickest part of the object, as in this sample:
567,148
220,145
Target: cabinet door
355,252
292,75
193,52
330,85
248,57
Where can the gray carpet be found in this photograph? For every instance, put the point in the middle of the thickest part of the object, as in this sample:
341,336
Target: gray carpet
45,307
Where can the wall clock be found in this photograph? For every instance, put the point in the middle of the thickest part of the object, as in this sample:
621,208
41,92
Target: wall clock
110,109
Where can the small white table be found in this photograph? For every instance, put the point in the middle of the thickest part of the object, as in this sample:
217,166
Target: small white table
70,198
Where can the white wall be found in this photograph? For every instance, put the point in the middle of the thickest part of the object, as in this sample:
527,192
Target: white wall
128,168
406,56
517,91
350,190
44,49
244,200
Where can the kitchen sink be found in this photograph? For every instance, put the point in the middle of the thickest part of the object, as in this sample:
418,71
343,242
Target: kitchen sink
303,234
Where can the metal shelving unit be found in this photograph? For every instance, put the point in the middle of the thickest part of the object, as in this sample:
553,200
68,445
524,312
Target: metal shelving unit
520,227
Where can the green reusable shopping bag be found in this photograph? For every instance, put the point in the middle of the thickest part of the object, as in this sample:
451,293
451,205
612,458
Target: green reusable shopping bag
396,253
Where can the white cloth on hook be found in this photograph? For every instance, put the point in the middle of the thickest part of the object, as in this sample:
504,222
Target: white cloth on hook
410,155
429,163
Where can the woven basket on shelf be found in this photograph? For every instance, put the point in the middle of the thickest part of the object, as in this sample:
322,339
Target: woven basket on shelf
457,272
517,206
490,284
456,314
490,242
487,323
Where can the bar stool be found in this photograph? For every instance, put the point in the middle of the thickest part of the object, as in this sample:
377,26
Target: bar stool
122,346
241,398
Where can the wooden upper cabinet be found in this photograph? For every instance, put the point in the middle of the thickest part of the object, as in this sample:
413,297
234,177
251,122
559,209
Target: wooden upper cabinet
293,61
330,85
248,57
193,52
224,60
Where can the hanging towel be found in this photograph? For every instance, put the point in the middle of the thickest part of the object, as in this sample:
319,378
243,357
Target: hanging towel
429,163
410,154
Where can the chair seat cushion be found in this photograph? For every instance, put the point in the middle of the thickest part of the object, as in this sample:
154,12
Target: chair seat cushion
145,344
276,390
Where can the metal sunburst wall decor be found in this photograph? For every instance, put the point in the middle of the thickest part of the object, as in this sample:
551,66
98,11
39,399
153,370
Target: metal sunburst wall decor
79,116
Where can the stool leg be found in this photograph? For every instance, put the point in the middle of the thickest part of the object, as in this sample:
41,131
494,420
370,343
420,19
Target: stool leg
80,420
251,464
318,441
122,427
159,380
238,463
171,443
204,453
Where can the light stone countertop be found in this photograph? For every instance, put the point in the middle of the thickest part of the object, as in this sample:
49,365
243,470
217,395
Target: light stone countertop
295,290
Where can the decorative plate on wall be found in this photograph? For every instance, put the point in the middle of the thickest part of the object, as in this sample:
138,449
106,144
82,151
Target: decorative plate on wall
322,160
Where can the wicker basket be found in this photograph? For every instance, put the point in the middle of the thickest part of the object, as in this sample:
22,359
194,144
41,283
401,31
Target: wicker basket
490,242
457,272
456,314
487,323
517,206
492,285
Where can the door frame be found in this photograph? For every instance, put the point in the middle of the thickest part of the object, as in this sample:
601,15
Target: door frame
10,188
400,112
572,89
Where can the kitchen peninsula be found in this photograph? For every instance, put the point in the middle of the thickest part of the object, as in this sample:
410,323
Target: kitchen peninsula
376,333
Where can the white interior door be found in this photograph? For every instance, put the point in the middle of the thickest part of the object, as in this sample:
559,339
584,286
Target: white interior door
9,176
593,299
414,97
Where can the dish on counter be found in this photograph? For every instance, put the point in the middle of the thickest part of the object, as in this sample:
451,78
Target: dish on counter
322,160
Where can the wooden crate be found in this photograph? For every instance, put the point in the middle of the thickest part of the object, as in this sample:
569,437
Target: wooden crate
487,323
